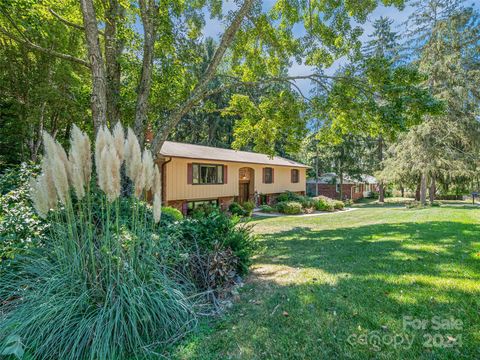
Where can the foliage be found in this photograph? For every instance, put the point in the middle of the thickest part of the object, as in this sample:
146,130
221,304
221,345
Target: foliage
236,209
323,203
20,227
217,231
102,272
443,148
245,209
170,214
288,196
248,206
338,205
267,208
289,207
204,210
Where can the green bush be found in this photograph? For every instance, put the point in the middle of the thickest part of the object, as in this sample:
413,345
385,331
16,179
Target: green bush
289,207
248,206
203,210
307,202
171,214
20,227
266,209
241,210
323,203
218,231
338,205
237,209
289,196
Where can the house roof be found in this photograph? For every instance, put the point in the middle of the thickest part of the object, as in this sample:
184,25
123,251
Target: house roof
176,149
332,178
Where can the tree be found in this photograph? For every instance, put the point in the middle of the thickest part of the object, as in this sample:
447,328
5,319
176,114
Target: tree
260,44
39,91
383,43
445,147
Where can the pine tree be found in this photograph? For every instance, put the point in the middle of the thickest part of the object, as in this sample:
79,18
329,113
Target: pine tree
383,41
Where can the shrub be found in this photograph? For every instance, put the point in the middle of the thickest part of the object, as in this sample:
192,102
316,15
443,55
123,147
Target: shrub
20,227
212,237
307,202
248,207
323,203
266,209
203,210
171,214
288,196
338,205
237,209
100,287
289,207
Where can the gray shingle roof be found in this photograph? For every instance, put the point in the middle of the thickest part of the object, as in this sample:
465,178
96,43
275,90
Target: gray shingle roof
191,151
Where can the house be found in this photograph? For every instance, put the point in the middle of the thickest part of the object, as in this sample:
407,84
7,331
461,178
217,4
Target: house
194,175
352,189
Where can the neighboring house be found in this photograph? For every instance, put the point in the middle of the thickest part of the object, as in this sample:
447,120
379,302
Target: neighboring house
329,185
196,174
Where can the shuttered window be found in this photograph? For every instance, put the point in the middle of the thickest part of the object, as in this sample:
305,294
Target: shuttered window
295,176
268,175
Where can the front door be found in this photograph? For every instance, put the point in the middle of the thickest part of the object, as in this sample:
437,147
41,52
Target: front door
244,193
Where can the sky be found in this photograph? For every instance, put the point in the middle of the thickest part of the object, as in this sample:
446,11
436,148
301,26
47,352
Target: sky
214,28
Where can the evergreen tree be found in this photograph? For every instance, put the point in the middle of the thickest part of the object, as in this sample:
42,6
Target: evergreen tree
383,41
445,148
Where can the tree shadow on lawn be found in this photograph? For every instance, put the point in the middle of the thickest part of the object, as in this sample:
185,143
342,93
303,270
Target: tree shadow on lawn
399,248
372,276
313,290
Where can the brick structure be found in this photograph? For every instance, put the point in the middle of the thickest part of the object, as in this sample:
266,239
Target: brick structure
352,190
224,202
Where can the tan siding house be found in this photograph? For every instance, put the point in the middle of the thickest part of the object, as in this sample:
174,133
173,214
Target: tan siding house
194,174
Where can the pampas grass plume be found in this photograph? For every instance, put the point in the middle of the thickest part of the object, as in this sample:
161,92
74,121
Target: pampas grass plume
148,169
39,196
49,185
77,158
60,178
157,207
114,183
119,141
133,158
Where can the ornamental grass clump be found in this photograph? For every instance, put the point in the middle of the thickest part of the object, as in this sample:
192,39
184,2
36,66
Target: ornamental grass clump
100,287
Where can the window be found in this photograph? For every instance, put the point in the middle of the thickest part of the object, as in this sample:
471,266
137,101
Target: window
295,176
207,174
192,205
268,175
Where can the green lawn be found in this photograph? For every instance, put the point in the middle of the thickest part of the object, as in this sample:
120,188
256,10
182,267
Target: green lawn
334,286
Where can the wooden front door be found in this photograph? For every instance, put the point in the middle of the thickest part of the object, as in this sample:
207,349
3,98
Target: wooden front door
244,193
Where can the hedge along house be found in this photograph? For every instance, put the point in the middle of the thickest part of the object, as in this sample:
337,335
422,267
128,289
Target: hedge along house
194,175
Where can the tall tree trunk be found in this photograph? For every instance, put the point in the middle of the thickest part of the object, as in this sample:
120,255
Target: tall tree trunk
316,169
148,12
417,190
423,190
381,190
35,145
341,185
402,189
202,86
432,190
99,95
114,14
